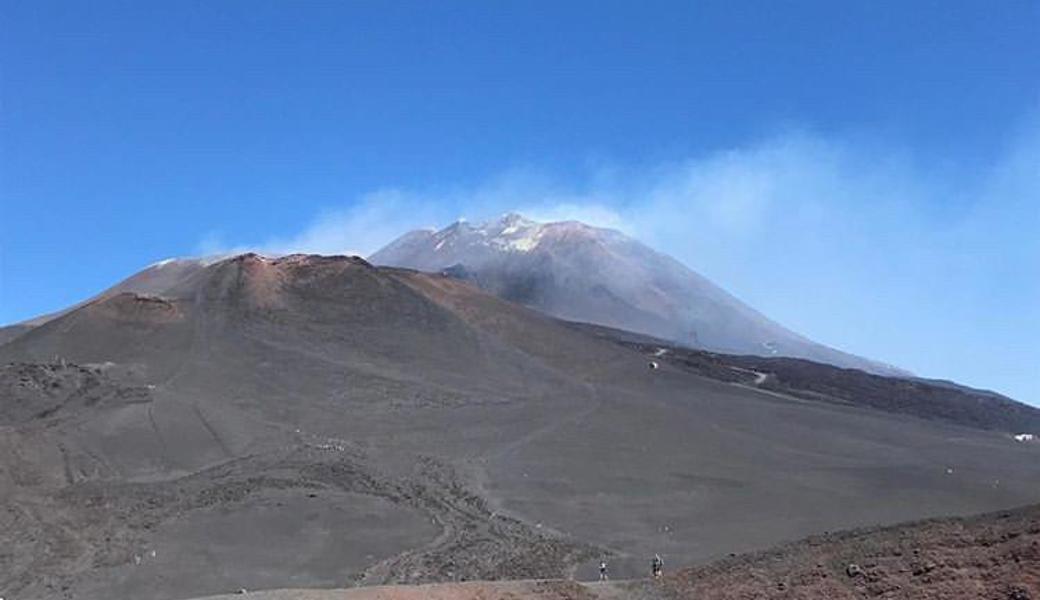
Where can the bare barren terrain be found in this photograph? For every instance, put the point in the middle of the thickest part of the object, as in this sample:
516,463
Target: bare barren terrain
319,422
989,557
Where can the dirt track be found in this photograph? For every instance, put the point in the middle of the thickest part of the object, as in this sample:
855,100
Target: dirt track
476,590
988,557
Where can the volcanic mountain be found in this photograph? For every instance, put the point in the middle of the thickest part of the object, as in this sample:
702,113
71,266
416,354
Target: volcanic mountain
312,421
581,273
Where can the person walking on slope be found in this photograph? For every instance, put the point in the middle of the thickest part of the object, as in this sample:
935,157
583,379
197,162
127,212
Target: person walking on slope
602,570
656,564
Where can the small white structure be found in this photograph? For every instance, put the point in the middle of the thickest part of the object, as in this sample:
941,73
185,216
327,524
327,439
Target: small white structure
653,365
1025,437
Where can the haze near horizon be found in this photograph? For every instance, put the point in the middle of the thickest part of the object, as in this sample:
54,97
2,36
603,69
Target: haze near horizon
866,175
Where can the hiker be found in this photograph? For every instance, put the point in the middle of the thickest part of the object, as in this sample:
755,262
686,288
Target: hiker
602,570
656,564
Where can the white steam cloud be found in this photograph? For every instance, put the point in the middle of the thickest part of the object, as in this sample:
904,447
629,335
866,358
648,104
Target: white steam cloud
853,244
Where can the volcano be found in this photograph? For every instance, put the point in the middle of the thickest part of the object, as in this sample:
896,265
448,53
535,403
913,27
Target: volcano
581,273
317,421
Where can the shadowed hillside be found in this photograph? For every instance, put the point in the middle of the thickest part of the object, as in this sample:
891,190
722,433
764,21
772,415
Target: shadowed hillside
923,398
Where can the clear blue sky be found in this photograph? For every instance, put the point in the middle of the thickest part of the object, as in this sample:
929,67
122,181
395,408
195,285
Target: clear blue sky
134,131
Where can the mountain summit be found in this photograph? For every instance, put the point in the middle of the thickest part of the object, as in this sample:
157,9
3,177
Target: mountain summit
582,273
